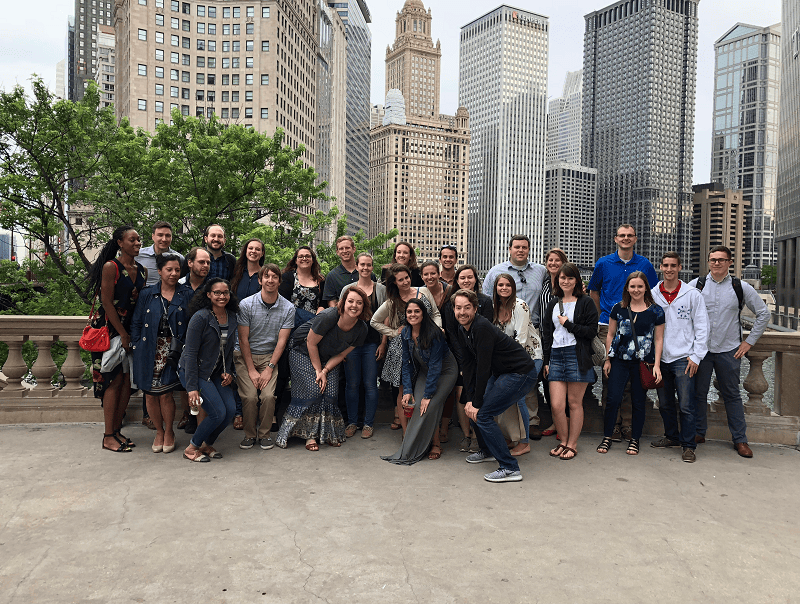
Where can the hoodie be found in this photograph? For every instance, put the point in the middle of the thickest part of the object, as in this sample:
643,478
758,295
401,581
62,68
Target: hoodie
686,329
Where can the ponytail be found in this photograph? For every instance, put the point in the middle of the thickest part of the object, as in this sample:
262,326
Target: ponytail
108,253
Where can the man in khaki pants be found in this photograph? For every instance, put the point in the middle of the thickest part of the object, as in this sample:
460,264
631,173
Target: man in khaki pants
265,322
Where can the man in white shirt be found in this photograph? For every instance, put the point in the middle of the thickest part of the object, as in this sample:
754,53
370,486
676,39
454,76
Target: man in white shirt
162,240
721,293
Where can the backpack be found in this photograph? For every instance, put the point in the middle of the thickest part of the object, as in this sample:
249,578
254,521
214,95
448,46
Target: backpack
735,282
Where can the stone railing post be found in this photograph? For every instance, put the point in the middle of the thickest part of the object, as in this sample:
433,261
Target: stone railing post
44,368
756,384
14,369
73,368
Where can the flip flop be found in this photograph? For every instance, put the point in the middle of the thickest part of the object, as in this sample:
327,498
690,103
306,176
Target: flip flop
574,454
433,454
557,451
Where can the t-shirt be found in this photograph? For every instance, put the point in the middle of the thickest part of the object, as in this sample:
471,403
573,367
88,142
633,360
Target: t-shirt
609,276
334,339
561,336
622,347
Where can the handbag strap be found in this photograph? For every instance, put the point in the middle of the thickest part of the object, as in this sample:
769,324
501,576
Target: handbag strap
171,333
560,307
91,312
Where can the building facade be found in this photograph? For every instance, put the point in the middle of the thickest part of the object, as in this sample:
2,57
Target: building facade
718,218
104,69
89,14
419,159
503,85
376,114
639,78
569,210
564,122
355,15
744,144
787,207
253,63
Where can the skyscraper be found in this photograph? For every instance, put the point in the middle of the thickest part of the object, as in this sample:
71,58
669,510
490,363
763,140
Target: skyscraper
88,15
639,73
418,158
787,207
744,144
503,85
564,122
356,16
104,67
71,63
569,210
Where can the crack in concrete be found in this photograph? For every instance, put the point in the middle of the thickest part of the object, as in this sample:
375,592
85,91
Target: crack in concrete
401,524
680,559
28,574
13,514
300,558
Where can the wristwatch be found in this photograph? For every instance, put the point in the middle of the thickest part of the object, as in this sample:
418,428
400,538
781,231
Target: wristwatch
271,365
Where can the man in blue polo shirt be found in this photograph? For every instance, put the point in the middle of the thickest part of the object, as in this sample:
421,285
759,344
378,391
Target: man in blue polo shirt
605,288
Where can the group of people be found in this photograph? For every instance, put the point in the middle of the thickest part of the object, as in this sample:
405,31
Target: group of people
230,333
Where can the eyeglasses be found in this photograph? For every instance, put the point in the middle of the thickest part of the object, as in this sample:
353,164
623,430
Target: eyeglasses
718,260
625,236
305,257
521,276
220,294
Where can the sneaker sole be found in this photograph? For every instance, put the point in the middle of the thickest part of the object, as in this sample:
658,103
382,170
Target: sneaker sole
246,446
675,446
266,448
515,478
480,460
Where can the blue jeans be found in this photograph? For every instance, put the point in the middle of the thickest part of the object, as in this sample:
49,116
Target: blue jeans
621,373
677,382
523,409
219,406
507,390
728,370
360,367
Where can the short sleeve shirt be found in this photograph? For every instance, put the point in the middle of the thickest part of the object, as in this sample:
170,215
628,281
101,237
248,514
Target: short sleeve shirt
645,322
264,323
609,276
334,339
336,280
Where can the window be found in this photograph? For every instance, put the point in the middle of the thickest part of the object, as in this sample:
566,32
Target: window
212,12
184,109
201,78
237,12
226,79
159,106
210,96
226,96
235,80
201,61
142,70
225,114
226,46
187,8
226,63
264,113
250,28
160,20
143,34
143,2
235,62
186,42
250,11
265,46
201,28
160,89
175,5
199,95
235,96
175,40
174,57
142,105
226,29
226,13
248,96
175,23
237,29
173,74
248,112
235,113
159,37
184,93
248,79
248,62
212,62
265,79
265,12
212,79
236,46
159,54
212,29
160,72
159,3
201,10
173,106
248,45
173,91
186,25
186,60
185,76
201,45
212,46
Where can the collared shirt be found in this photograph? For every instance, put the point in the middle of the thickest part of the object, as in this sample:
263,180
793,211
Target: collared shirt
147,258
669,296
609,276
265,324
725,329
185,280
528,279
221,267
336,280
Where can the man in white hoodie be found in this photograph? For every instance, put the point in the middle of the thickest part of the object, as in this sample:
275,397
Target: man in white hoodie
685,345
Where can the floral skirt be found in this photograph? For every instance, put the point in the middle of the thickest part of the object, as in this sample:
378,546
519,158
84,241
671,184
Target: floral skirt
160,364
311,414
393,364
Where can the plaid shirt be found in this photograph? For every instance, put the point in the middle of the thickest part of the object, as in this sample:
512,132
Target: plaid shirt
222,267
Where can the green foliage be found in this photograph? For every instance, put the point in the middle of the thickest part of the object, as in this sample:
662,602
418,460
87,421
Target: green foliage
769,276
40,288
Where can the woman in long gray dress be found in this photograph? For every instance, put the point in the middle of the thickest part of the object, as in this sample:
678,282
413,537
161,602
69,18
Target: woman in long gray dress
429,372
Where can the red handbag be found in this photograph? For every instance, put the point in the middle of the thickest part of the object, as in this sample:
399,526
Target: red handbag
645,369
94,339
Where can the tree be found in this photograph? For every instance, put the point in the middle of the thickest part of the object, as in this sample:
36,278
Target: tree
769,276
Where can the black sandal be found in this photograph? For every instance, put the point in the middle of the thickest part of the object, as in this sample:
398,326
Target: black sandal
604,445
123,448
128,442
633,447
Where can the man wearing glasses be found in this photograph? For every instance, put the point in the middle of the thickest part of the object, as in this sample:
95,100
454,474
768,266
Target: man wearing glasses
725,296
265,322
605,288
529,277
448,257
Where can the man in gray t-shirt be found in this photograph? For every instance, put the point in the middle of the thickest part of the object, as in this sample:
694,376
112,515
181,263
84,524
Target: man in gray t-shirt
265,322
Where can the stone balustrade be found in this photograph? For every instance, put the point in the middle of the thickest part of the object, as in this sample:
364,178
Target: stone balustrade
20,403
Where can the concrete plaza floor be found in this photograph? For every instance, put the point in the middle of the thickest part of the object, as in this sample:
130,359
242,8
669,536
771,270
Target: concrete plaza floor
79,524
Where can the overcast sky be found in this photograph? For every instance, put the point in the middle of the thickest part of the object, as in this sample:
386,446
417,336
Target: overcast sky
33,41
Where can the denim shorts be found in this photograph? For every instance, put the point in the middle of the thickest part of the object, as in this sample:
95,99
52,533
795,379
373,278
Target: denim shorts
564,367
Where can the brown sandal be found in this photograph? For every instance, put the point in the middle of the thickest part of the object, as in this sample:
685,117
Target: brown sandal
557,451
238,423
433,454
312,446
568,450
